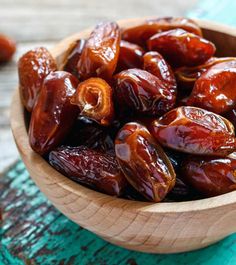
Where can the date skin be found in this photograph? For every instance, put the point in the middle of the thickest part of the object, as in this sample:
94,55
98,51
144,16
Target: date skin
195,131
33,67
211,176
139,34
7,48
73,56
181,48
53,115
155,64
231,116
94,99
215,90
187,76
100,54
143,92
143,162
94,169
130,56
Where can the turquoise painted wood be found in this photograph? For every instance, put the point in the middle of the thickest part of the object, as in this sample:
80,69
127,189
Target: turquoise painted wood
34,232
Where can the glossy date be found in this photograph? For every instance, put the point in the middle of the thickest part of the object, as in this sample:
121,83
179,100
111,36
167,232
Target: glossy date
143,162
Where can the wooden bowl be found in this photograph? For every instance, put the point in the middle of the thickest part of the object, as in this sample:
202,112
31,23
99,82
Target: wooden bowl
143,226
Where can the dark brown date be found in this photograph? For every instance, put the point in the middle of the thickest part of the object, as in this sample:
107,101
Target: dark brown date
231,116
143,162
94,98
181,48
33,67
194,130
7,48
143,92
100,54
155,64
89,167
139,34
211,176
215,90
73,56
130,56
53,115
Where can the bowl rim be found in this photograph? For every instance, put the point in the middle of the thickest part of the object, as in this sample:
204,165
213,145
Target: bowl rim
43,167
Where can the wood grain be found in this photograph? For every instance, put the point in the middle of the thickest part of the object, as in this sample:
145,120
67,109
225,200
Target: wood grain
148,227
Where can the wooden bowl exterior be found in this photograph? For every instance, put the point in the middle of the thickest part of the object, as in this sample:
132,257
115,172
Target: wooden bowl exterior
141,226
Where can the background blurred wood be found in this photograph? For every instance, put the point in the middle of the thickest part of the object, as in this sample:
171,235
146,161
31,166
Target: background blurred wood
43,22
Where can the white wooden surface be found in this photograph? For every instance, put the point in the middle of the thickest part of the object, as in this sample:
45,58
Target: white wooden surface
44,22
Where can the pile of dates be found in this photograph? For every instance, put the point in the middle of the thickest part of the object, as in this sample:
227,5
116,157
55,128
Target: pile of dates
144,113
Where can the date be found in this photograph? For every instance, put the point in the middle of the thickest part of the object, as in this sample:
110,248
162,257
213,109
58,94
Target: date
33,67
94,169
7,48
143,162
211,176
100,54
143,92
196,131
181,48
215,90
94,99
53,115
139,34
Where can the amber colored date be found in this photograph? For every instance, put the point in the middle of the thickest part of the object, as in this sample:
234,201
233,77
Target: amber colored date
7,48
143,92
211,176
194,130
73,56
53,115
155,64
139,34
143,162
33,67
181,48
100,54
97,170
94,98
130,56
187,76
215,90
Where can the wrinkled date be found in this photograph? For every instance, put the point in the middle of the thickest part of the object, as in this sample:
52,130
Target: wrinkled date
143,92
94,98
100,54
155,64
143,162
231,116
196,131
215,90
141,33
130,56
181,48
211,176
33,67
53,115
73,56
187,76
95,169
7,48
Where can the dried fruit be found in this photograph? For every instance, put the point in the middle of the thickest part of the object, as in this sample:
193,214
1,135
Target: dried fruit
33,67
194,130
7,48
143,162
139,34
181,48
100,54
53,115
211,176
94,98
94,169
143,92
